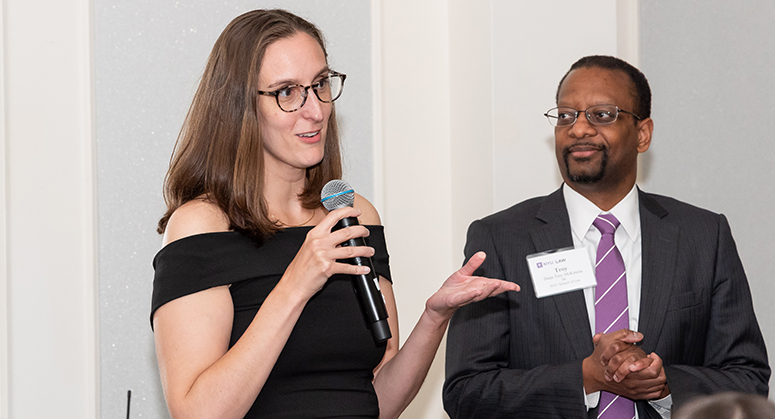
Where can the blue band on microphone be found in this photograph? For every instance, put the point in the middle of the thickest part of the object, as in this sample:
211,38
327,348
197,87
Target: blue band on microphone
337,194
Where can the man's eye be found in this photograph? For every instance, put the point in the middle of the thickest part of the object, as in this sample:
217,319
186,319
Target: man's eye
565,115
604,116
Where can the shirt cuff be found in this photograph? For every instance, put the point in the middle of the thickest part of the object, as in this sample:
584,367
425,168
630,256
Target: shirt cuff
663,405
591,400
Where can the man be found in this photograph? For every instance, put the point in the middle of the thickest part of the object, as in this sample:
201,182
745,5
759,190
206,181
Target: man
680,283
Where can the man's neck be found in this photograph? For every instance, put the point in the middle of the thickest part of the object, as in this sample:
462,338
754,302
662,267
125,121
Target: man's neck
604,197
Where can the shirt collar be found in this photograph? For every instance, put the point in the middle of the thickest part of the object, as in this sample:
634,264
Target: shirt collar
582,212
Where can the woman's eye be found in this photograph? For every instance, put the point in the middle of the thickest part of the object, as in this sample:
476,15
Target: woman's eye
285,92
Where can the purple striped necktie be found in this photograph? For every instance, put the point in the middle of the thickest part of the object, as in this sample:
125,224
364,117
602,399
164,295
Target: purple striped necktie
611,312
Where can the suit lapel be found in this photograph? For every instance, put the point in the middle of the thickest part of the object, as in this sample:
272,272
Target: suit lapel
659,243
555,233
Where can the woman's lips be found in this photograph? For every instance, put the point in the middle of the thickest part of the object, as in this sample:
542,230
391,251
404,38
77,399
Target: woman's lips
310,137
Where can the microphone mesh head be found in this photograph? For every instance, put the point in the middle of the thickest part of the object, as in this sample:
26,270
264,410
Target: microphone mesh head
337,194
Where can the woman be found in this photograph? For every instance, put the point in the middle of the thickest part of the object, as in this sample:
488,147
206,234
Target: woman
253,316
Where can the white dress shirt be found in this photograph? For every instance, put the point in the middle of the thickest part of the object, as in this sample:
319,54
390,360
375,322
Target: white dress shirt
582,213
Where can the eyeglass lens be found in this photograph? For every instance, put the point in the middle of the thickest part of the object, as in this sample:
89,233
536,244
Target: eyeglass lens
327,90
598,115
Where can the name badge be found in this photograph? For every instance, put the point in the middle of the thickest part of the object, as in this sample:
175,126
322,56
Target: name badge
559,271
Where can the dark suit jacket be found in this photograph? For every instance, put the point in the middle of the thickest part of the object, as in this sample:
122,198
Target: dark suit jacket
518,356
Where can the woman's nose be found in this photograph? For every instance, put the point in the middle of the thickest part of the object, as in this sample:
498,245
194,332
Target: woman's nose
313,107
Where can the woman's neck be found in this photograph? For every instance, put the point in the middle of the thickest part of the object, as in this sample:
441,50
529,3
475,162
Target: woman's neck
281,193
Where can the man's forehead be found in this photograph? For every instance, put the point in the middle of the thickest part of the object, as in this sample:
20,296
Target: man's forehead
595,85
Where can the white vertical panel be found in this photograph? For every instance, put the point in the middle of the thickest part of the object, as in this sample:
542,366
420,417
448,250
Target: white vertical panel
416,133
3,236
49,212
471,116
628,31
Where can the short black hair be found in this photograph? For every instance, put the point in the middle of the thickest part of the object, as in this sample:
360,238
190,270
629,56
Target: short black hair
642,92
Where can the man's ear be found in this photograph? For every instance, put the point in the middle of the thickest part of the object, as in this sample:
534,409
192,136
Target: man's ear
645,129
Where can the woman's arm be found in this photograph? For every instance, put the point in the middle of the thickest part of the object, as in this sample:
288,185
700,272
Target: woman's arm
399,380
200,375
401,373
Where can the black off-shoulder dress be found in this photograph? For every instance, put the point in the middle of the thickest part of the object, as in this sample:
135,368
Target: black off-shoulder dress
325,369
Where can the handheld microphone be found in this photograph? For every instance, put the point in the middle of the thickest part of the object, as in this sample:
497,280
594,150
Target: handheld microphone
338,194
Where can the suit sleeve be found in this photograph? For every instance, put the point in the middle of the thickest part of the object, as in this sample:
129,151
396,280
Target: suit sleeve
482,380
735,358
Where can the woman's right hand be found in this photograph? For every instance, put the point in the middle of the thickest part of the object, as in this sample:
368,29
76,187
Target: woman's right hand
317,260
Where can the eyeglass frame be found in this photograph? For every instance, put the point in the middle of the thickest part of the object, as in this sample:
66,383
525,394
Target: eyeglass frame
304,93
577,112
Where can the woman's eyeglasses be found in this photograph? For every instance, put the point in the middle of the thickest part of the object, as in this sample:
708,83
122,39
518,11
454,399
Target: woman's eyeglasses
292,98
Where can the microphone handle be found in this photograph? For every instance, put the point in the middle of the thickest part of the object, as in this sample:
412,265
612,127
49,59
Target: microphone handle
366,288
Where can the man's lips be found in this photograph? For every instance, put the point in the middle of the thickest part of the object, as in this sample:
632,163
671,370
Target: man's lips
582,150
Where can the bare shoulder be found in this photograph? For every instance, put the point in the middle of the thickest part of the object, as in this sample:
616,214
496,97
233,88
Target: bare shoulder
369,214
195,217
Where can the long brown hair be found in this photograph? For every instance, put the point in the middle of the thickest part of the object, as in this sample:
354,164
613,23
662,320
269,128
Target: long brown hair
219,154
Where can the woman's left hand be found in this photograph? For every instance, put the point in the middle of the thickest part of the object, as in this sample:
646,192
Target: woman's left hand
462,288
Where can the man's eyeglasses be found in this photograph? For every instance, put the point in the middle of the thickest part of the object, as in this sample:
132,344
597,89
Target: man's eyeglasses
596,115
292,98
